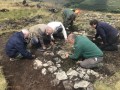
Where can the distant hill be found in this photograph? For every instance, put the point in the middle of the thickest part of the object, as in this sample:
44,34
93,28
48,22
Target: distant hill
97,5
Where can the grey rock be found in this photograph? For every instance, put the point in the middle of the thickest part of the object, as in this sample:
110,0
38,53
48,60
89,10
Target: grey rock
68,85
88,71
81,84
81,75
51,54
61,75
48,53
44,71
62,54
50,63
90,87
55,82
58,65
72,73
45,65
52,69
86,77
57,60
95,73
37,64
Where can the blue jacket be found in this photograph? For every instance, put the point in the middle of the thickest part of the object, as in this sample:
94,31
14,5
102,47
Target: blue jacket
105,31
17,44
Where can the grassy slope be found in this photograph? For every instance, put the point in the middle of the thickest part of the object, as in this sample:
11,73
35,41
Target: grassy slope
17,12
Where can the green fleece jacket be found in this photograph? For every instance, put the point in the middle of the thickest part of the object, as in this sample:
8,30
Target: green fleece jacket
85,48
67,13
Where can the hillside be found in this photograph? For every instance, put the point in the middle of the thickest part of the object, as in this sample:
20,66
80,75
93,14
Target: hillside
27,74
97,5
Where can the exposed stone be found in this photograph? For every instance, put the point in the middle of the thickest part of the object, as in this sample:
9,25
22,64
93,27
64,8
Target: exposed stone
55,82
68,85
88,71
45,65
62,54
75,79
81,75
61,75
44,71
45,53
72,73
37,64
79,69
90,87
51,54
82,84
58,65
86,77
50,63
48,53
52,69
95,73
57,60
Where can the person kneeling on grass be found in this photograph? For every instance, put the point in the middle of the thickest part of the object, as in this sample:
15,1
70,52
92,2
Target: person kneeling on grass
16,46
87,50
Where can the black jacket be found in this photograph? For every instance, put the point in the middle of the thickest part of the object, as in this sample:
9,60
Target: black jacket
105,31
17,44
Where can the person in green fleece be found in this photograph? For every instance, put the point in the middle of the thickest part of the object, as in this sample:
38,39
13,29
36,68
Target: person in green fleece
85,49
69,16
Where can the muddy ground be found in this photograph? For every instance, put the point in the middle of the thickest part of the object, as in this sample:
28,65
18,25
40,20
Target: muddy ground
20,75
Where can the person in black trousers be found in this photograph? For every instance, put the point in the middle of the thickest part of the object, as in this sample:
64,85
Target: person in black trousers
107,33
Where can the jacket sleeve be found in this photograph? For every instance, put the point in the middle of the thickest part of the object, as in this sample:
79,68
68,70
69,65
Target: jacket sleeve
40,38
102,35
64,32
96,35
20,46
77,53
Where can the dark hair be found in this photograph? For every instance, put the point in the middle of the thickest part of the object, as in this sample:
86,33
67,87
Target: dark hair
93,22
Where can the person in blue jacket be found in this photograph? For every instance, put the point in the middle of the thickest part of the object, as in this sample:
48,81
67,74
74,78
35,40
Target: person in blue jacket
108,34
16,46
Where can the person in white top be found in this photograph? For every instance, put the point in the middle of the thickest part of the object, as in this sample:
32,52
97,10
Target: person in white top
57,29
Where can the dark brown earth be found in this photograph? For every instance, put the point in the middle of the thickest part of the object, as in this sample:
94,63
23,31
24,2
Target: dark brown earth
20,75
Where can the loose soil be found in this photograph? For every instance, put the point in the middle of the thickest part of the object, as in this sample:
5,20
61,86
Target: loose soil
20,75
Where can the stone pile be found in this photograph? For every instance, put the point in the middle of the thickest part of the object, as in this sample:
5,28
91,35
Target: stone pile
73,78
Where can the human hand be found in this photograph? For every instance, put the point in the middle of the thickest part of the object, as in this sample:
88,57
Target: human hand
66,55
93,38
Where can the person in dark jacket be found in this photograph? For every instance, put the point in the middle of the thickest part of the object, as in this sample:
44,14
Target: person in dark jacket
16,46
108,34
84,48
69,16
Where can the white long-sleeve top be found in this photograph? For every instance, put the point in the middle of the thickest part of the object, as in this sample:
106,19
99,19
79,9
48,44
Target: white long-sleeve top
56,24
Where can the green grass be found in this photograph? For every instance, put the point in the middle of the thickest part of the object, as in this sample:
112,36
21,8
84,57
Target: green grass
111,83
16,14
3,83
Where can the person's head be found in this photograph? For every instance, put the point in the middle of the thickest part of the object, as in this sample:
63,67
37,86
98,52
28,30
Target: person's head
77,11
93,23
48,30
71,38
25,33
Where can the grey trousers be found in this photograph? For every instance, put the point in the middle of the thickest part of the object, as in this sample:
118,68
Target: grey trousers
91,62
